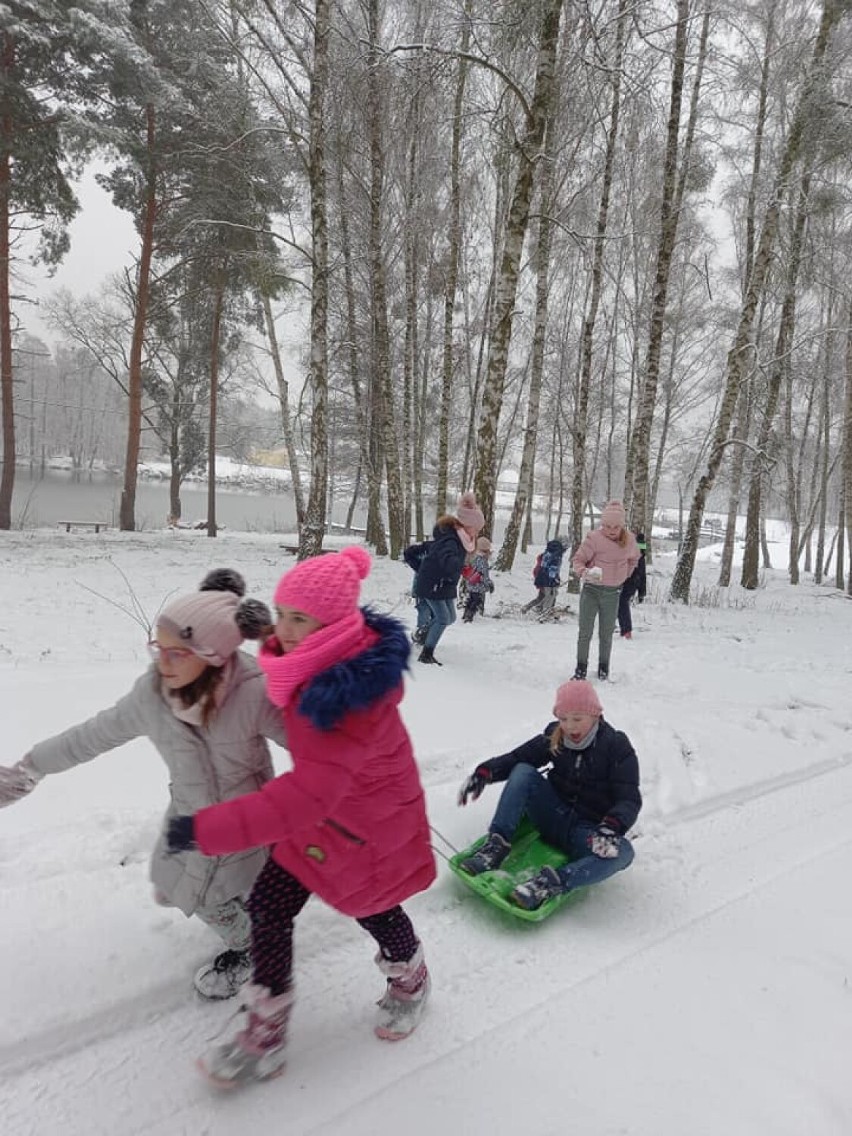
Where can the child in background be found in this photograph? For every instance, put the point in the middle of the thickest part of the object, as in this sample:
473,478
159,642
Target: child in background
203,704
634,585
603,562
478,580
348,823
583,804
547,578
414,556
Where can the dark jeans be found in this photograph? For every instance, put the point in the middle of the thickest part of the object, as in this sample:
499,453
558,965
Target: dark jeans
527,793
625,620
442,614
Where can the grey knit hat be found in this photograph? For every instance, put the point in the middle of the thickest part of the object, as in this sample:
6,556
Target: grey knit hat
214,621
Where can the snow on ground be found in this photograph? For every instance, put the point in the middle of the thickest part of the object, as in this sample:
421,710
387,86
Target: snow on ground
706,990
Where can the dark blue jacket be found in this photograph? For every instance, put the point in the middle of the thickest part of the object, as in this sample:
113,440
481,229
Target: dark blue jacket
599,781
548,573
440,570
636,583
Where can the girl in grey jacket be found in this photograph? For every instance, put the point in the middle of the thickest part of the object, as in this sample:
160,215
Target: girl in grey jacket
203,705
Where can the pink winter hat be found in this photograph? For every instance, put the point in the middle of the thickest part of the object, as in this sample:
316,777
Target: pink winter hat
213,624
613,514
577,697
326,587
469,513
483,544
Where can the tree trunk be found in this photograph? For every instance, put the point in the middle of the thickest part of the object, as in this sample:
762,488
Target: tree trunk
127,509
310,537
215,334
506,557
284,408
7,395
638,462
741,346
786,327
513,243
584,381
454,237
847,449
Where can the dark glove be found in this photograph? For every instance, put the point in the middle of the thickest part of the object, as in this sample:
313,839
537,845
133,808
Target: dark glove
180,834
474,785
604,842
491,586
640,599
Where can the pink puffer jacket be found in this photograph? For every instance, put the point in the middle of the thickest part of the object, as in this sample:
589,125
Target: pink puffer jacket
615,560
349,821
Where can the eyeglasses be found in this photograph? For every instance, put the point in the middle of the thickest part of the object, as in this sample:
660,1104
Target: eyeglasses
169,654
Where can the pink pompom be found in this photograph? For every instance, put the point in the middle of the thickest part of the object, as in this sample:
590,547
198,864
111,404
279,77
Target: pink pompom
360,559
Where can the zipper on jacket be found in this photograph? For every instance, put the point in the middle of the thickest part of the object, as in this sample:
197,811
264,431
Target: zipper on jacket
344,832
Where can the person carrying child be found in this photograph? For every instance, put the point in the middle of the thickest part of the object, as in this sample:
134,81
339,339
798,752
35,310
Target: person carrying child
547,578
478,576
577,783
347,823
604,560
634,585
203,705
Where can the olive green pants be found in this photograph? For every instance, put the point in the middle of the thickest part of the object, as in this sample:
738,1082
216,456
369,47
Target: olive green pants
601,602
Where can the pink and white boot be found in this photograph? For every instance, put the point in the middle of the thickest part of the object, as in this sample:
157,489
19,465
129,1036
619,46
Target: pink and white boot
256,1051
404,1000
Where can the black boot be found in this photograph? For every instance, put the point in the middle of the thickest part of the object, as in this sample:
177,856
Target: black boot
580,672
427,656
603,671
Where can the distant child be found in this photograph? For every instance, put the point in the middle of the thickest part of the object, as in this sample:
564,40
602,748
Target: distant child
347,823
583,804
547,578
603,562
634,585
478,577
414,556
203,705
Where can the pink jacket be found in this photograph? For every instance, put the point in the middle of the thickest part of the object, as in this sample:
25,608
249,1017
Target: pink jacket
350,820
616,561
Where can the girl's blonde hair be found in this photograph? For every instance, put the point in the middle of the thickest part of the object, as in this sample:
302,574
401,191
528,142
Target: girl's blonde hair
556,739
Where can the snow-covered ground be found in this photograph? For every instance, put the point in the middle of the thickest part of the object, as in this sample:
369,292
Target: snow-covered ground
705,991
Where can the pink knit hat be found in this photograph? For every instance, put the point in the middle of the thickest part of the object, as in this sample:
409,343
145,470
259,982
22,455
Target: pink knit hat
613,514
326,587
214,621
483,544
577,697
469,513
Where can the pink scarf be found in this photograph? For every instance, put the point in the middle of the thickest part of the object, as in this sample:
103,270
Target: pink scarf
335,643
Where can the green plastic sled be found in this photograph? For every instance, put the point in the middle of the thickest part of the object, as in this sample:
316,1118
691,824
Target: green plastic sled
529,854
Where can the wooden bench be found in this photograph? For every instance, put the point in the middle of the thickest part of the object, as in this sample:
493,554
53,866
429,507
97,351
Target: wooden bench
293,549
96,525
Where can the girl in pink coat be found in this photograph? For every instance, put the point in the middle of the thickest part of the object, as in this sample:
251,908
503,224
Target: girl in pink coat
348,822
604,560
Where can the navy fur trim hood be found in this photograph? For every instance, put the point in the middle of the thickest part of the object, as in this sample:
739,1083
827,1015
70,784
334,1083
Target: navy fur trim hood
362,680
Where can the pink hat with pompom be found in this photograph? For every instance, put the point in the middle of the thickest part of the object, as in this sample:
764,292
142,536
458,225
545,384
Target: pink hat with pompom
326,587
469,513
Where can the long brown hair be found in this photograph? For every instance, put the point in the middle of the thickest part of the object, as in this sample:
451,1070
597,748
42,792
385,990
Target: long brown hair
203,691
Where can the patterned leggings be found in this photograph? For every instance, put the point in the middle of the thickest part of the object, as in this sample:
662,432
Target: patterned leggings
275,901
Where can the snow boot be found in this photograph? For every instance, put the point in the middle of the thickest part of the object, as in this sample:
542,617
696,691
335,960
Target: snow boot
418,636
224,976
603,672
627,635
489,856
580,670
256,1051
543,886
404,1001
427,655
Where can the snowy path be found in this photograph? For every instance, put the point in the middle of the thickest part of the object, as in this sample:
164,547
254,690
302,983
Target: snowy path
705,905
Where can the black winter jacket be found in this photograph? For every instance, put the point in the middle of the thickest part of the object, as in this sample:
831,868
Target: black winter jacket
599,781
637,582
440,570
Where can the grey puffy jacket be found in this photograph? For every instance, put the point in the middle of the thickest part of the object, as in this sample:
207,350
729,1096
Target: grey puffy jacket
206,765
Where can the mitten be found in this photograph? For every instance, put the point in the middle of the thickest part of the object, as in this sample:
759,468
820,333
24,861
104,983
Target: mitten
491,586
17,781
180,834
474,785
640,599
604,842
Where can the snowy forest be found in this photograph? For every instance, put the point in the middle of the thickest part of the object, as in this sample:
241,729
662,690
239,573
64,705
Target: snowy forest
604,245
